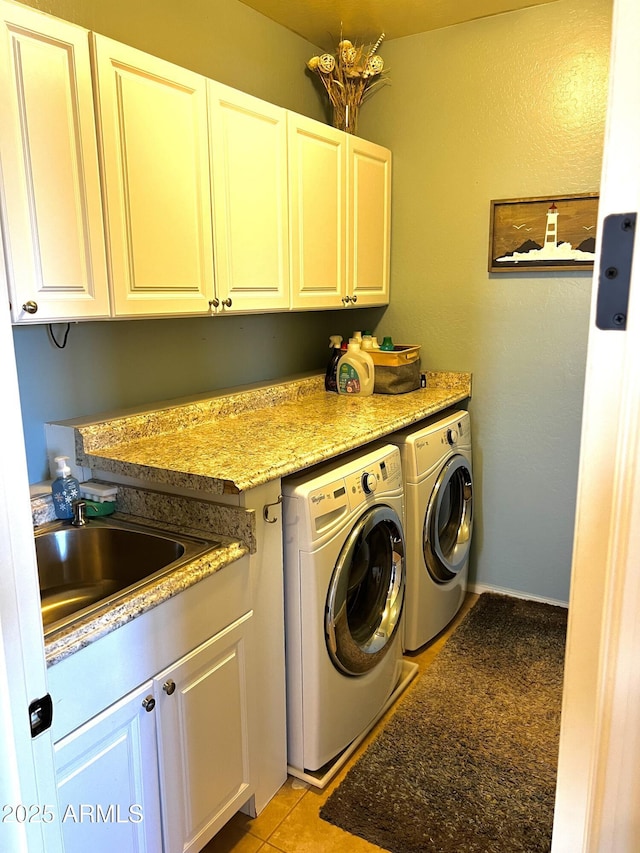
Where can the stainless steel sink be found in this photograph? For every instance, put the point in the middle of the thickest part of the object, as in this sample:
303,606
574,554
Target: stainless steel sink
82,569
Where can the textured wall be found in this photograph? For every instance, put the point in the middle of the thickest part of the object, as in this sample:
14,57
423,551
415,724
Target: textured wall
506,107
510,106
126,363
223,39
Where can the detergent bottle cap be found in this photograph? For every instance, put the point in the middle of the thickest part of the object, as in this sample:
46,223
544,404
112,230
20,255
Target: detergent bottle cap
335,341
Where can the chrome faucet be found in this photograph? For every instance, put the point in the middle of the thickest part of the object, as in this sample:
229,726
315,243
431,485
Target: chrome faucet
79,514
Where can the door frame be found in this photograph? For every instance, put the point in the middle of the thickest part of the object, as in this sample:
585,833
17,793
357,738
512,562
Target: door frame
28,776
598,782
599,745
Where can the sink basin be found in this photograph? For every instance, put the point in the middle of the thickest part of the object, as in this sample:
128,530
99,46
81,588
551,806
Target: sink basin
82,569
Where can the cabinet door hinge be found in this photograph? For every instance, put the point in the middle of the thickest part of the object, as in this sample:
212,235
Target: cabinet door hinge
614,280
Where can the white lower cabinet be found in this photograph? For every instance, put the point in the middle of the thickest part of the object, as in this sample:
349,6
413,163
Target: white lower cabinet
165,767
203,739
107,776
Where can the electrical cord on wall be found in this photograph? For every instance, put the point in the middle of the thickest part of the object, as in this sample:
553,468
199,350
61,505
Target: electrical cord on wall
64,339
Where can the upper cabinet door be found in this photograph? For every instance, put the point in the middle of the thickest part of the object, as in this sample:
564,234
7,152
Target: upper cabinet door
153,123
317,187
248,140
53,229
369,222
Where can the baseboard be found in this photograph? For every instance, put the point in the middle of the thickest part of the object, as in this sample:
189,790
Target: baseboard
479,588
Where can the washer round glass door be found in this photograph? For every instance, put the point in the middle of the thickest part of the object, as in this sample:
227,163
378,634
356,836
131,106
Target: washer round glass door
366,593
446,537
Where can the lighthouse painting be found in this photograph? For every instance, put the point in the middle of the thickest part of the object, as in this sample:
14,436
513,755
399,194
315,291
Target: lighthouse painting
549,234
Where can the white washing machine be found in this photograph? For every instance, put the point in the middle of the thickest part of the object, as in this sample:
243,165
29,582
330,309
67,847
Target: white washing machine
344,559
438,521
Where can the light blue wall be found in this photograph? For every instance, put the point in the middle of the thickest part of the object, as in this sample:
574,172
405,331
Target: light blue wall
221,39
127,363
506,107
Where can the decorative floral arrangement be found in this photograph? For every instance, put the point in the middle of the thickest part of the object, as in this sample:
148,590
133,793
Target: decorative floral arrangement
349,78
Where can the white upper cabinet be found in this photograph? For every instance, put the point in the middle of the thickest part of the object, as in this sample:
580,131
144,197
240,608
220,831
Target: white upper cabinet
52,218
340,202
369,219
155,157
248,141
174,195
318,208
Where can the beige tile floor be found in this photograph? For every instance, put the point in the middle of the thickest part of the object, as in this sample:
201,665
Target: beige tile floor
291,822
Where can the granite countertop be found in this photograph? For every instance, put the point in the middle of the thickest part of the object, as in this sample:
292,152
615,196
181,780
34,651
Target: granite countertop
229,442
241,439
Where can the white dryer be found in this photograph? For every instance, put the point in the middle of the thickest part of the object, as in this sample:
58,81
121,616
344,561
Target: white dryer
344,559
438,521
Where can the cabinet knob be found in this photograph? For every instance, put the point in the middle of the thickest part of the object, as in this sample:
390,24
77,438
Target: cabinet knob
346,300
149,703
227,302
214,303
354,299
169,686
30,307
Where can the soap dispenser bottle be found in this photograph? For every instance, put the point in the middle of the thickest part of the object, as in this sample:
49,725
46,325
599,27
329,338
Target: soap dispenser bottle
65,489
330,379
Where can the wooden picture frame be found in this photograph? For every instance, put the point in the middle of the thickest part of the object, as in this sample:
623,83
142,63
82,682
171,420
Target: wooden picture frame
546,233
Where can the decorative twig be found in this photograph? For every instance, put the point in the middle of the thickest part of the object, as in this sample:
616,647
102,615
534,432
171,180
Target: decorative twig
349,77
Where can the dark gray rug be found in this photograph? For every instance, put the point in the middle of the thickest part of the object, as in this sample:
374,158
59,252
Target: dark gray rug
467,764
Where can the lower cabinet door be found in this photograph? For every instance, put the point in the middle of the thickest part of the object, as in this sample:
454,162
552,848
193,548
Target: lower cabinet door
107,779
203,739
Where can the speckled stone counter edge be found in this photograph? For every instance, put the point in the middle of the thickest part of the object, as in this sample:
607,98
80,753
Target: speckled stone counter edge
114,446
110,433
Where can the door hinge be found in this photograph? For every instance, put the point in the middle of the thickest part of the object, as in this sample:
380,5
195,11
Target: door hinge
40,715
614,280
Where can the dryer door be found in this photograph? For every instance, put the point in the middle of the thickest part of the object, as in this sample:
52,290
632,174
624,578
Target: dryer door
448,521
366,593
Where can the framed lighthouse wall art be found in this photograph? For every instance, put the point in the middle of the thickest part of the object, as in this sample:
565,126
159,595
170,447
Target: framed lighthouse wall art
547,233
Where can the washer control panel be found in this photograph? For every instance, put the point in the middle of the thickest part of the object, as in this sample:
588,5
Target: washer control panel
340,489
369,483
379,476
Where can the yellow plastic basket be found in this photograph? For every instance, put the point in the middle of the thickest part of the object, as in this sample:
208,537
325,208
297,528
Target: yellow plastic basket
395,357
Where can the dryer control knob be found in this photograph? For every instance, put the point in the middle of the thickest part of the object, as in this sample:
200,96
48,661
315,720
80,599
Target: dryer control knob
369,483
452,436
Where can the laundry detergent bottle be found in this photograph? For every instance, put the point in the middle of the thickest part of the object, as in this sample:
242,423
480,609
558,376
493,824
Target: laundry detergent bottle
355,371
331,377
